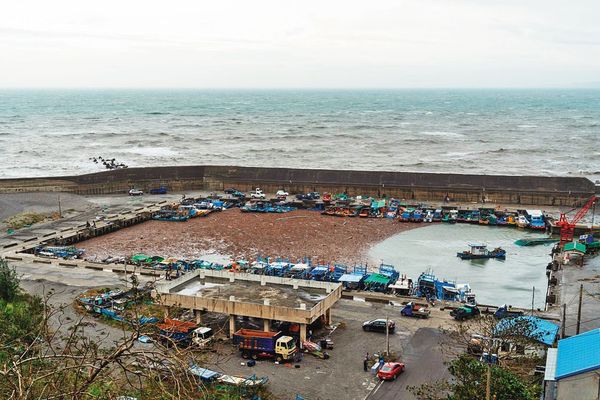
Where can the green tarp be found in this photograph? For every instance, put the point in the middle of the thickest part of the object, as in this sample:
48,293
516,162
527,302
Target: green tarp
377,278
139,258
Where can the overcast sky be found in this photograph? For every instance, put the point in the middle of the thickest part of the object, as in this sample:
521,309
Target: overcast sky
297,44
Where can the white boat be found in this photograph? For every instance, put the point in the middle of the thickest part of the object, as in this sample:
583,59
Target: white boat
522,222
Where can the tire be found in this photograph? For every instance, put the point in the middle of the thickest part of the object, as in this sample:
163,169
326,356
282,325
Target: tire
279,359
394,377
366,328
245,356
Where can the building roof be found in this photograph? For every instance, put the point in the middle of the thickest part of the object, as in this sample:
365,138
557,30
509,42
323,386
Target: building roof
550,372
532,327
578,354
575,246
350,278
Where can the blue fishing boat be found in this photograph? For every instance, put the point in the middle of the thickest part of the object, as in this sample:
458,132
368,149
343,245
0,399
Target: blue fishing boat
432,288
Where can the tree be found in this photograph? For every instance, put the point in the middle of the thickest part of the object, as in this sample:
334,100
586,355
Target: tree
470,382
45,354
514,341
9,282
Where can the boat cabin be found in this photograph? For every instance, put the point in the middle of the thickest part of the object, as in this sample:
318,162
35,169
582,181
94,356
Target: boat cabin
478,249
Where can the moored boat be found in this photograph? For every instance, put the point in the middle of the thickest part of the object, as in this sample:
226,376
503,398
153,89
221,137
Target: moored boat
480,251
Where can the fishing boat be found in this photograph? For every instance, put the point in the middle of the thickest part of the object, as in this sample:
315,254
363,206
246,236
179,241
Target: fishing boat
450,217
474,217
536,220
416,216
405,215
430,287
522,221
479,251
462,215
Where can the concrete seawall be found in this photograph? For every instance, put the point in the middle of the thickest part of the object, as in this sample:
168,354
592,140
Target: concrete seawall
526,190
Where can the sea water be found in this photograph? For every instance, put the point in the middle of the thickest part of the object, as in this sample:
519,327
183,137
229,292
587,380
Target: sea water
433,247
541,132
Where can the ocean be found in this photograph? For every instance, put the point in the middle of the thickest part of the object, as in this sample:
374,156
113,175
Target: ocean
516,132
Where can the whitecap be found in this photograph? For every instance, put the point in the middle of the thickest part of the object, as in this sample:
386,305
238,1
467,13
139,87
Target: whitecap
442,133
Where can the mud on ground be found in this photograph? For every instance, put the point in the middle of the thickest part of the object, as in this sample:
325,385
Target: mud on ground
245,235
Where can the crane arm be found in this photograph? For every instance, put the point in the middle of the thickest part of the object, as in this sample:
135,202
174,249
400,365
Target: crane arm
586,207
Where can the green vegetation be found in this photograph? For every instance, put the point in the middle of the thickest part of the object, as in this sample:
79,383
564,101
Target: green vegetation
469,383
20,315
45,354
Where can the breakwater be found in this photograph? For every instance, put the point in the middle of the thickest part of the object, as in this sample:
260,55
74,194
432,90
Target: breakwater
526,190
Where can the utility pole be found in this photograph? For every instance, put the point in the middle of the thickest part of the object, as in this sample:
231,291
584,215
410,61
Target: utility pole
488,383
532,300
387,334
59,208
579,308
564,320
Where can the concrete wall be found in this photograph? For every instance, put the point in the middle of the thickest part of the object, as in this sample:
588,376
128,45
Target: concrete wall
580,387
526,190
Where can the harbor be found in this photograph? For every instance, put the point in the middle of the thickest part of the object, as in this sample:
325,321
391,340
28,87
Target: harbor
283,261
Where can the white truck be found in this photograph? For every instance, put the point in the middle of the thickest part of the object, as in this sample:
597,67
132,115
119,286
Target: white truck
258,194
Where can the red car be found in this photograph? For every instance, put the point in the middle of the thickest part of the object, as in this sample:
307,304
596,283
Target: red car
390,371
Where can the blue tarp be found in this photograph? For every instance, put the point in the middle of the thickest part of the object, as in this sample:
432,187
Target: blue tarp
533,327
578,354
350,278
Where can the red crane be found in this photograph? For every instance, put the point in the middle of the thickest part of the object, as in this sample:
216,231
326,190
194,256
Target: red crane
567,228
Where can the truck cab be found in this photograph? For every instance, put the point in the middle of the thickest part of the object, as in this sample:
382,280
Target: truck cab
202,336
258,194
286,347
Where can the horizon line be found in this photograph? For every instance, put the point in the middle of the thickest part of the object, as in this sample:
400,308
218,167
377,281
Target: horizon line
283,88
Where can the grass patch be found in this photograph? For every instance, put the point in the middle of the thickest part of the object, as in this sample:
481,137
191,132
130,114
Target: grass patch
24,219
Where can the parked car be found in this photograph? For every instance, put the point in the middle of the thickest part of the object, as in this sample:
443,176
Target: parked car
390,371
230,190
378,325
467,311
239,195
135,192
257,194
308,196
159,190
281,194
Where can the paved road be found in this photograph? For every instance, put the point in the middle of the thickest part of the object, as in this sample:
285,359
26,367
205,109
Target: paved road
424,363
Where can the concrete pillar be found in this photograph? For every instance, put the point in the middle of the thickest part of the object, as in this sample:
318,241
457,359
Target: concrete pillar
231,325
328,316
302,333
266,325
198,315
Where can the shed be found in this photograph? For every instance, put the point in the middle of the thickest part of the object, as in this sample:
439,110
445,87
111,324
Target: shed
535,328
578,354
574,247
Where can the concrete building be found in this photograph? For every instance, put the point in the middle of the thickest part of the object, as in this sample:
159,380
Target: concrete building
573,369
246,295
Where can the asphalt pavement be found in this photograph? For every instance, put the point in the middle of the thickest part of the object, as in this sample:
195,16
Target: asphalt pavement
424,362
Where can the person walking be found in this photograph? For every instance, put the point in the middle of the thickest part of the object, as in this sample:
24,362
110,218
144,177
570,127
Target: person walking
366,363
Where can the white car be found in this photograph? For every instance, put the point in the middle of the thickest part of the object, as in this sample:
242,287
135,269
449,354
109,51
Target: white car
135,192
281,195
257,194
